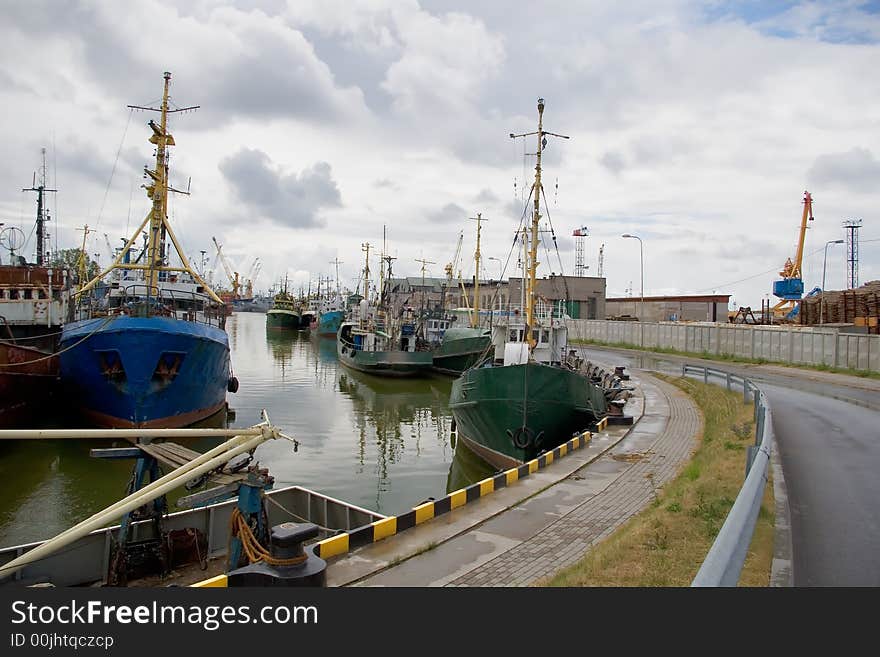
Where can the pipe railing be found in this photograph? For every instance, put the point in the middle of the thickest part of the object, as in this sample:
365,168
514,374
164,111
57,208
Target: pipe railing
724,562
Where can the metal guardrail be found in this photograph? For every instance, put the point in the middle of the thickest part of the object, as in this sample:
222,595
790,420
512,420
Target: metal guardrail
724,561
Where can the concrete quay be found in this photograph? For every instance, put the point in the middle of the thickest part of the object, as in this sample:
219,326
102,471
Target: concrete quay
521,534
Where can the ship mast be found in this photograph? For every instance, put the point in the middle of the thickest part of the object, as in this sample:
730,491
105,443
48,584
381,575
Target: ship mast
157,191
475,322
365,247
337,262
529,278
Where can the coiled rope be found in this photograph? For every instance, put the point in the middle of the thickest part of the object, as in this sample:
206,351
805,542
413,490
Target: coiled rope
253,549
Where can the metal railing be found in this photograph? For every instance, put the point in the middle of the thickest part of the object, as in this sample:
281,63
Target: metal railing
186,305
724,561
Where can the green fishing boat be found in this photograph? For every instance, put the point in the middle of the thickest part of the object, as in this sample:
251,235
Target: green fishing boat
529,394
460,348
284,313
372,342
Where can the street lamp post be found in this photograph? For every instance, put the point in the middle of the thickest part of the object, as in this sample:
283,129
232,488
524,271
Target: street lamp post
500,265
822,298
641,275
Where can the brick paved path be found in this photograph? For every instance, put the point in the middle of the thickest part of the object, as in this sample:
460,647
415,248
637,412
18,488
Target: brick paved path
567,539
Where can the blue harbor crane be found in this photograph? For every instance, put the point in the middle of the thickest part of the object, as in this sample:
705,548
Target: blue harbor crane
790,289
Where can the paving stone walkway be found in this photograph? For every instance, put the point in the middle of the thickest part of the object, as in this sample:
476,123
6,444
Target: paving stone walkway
642,463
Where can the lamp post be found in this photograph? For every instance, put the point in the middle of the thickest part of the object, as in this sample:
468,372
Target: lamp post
641,275
500,265
824,263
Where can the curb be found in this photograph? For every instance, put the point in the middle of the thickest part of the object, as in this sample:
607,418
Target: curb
376,531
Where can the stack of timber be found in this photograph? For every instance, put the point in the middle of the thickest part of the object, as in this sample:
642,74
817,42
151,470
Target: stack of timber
860,307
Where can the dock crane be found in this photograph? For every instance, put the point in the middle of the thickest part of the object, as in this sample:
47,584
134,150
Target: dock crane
110,250
233,276
252,276
790,289
450,268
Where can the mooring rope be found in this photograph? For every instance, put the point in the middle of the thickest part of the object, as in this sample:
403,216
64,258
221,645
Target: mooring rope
252,547
109,319
293,515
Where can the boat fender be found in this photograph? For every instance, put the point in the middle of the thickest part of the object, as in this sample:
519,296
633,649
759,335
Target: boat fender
232,384
539,439
521,438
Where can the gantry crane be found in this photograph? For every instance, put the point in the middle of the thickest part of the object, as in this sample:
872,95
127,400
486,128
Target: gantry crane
233,276
790,289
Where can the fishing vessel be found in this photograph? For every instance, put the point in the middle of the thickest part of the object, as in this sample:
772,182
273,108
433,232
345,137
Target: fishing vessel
152,351
527,395
259,304
284,313
330,319
375,343
460,348
33,305
333,310
28,379
311,310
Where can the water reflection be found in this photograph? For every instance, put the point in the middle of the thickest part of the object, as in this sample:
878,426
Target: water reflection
379,443
466,468
388,408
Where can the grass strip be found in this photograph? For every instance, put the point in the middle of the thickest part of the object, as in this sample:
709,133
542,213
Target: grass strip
666,543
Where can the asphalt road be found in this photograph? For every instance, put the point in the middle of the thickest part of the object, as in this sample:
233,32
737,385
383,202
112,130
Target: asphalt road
828,433
830,453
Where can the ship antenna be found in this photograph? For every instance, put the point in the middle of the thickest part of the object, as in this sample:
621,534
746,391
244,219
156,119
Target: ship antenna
532,264
42,210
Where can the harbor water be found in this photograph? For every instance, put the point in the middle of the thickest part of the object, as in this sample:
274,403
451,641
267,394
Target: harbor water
383,444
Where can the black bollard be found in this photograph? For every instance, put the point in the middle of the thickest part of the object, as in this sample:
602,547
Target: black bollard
286,542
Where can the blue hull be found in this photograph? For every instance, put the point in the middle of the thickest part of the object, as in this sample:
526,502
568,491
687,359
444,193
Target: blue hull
145,372
330,323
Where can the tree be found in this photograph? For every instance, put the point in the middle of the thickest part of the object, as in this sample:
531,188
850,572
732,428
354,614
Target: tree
69,258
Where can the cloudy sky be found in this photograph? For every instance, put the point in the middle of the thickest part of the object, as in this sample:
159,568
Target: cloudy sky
695,125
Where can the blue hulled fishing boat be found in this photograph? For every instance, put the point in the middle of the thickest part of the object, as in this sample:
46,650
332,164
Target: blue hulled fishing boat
152,350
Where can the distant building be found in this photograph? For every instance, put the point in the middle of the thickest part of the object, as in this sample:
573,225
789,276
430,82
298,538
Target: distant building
434,293
584,296
698,308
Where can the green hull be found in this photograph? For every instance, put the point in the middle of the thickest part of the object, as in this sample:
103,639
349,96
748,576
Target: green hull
385,363
282,319
488,406
454,356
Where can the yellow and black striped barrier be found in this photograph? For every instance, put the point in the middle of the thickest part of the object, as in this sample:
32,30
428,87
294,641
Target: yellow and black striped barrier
376,531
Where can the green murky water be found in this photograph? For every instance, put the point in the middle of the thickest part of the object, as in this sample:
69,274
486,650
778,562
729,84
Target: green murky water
383,444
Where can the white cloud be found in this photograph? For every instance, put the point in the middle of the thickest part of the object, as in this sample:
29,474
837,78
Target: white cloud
696,125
